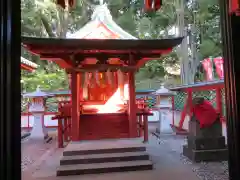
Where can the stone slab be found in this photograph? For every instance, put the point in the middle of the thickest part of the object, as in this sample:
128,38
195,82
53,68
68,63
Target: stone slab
97,168
196,143
215,155
101,158
100,147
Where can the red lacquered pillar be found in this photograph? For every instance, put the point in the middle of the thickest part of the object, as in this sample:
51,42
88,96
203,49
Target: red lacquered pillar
60,135
132,109
219,101
145,121
74,100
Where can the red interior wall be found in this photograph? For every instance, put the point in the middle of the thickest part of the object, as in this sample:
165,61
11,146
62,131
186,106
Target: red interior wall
103,126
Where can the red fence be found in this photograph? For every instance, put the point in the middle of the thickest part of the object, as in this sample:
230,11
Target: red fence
213,91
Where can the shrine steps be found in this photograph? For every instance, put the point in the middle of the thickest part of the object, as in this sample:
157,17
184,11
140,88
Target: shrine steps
112,156
101,158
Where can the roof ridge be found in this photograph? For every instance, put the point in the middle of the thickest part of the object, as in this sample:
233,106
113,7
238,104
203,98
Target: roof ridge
101,14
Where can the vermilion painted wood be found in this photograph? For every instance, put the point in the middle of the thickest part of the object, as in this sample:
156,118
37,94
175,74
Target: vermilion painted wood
215,86
104,126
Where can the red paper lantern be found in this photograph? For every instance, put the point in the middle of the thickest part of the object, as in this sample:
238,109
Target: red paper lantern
153,5
234,7
63,4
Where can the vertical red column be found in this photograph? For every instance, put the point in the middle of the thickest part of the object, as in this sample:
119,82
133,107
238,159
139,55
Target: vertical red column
132,110
188,105
219,101
173,110
145,121
60,135
28,106
74,113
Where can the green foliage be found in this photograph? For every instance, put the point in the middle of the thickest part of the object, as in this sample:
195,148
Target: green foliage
46,19
49,82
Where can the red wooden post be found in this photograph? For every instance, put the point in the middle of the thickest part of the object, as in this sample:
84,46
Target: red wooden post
60,135
132,111
74,113
145,121
141,125
173,110
188,105
219,101
28,126
65,129
68,129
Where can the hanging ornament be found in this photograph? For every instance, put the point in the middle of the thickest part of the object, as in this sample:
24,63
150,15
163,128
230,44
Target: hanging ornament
103,80
97,78
109,77
66,3
234,7
152,5
120,77
86,79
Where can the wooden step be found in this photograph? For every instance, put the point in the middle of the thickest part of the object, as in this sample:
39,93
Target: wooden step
97,168
101,158
74,149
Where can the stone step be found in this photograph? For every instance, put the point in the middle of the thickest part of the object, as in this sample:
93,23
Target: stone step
97,168
85,149
213,155
101,158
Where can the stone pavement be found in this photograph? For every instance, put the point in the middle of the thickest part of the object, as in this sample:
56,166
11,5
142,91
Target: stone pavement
169,164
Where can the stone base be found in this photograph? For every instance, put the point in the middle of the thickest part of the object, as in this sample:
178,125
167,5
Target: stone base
213,155
206,144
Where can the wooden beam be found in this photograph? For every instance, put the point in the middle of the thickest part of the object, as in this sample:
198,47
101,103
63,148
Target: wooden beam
102,68
100,55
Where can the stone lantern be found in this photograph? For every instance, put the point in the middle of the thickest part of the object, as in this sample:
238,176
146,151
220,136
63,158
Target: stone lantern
37,108
163,105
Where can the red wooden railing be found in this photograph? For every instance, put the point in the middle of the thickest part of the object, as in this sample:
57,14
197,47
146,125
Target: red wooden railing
212,91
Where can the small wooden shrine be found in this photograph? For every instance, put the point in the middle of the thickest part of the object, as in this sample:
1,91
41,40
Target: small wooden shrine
101,60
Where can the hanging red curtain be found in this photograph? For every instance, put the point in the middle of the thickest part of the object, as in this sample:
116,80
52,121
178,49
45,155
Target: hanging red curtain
152,5
218,61
62,3
234,6
208,66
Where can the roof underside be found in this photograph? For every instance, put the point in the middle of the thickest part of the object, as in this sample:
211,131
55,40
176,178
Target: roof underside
79,50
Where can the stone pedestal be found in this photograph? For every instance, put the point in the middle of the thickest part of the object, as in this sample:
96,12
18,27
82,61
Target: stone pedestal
164,121
38,130
205,144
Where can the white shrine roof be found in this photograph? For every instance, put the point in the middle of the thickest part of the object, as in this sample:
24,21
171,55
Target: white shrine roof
37,93
101,26
163,91
28,63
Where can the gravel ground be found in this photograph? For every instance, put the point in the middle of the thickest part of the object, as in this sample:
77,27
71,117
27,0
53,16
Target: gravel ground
32,151
205,171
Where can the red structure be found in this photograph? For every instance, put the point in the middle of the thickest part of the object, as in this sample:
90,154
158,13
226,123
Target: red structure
152,5
193,90
101,60
234,6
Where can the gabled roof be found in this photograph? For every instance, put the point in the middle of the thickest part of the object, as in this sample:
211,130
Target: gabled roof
101,26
